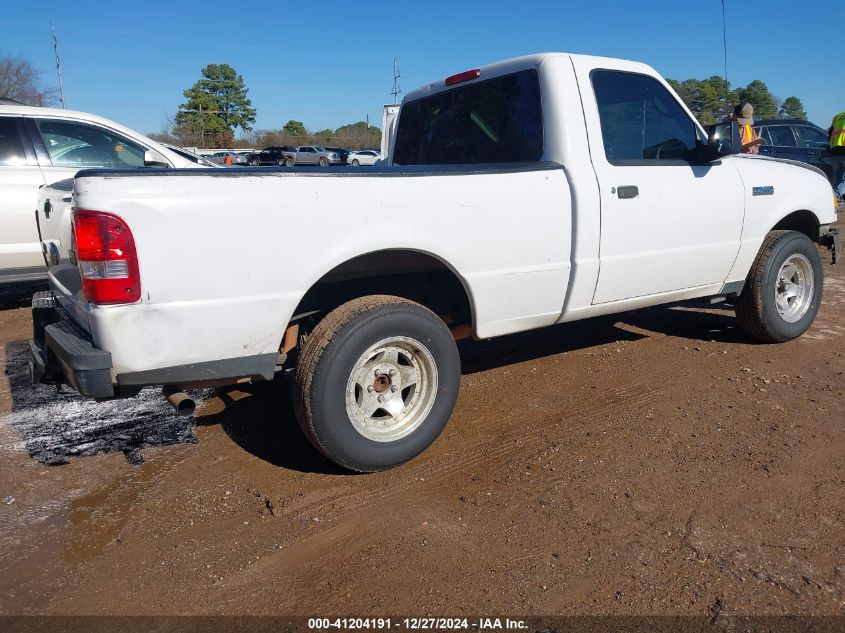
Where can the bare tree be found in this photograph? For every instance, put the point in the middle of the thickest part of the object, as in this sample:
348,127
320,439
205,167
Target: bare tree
20,80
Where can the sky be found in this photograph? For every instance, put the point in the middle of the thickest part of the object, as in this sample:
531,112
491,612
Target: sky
330,63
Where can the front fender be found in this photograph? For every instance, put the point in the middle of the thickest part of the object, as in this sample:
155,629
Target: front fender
775,190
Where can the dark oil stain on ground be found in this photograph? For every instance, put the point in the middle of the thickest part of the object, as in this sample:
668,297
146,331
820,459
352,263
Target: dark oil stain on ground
57,425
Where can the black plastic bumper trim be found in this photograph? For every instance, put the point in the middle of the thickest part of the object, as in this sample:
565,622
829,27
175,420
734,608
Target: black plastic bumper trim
259,366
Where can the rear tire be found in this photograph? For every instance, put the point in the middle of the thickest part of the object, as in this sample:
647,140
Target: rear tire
376,382
783,289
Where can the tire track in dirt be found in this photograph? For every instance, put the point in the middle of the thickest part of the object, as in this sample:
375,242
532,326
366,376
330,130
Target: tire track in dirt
310,562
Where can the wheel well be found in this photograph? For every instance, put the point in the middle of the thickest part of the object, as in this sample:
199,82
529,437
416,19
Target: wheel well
403,273
804,222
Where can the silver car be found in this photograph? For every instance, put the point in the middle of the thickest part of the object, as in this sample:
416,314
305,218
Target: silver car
316,155
220,158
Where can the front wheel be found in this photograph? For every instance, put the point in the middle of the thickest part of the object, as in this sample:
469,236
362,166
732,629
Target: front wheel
288,162
323,162
376,382
254,162
783,290
355,162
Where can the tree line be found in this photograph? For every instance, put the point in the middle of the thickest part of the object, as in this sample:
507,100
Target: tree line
707,99
217,106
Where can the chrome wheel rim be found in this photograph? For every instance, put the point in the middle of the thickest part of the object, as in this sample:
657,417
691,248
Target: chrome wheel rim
391,389
794,288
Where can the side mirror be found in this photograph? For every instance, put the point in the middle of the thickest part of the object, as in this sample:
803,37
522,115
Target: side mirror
153,159
723,139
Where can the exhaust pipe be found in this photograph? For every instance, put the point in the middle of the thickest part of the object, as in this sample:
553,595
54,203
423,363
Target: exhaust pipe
179,400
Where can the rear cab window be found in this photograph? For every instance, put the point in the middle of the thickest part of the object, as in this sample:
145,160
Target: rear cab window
497,120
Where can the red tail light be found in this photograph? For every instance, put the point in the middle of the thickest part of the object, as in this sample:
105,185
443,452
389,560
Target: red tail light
467,75
106,257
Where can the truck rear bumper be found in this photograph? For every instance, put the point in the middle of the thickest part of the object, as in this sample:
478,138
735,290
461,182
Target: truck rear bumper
64,353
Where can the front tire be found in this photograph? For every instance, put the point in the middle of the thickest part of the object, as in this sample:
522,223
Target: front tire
376,382
254,162
783,290
323,162
288,162
355,162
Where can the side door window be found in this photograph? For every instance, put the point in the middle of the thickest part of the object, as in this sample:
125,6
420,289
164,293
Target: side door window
74,144
12,153
811,137
782,136
641,123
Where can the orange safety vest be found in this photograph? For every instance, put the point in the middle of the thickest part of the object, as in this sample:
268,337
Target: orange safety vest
747,134
837,131
227,160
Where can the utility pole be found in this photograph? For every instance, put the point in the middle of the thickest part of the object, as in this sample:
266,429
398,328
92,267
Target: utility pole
396,89
58,65
725,49
202,120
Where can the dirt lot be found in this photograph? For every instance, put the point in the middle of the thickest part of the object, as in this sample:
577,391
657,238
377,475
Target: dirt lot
654,462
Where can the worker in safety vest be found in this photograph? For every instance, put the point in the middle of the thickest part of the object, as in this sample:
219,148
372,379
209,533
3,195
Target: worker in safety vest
744,117
837,148
228,159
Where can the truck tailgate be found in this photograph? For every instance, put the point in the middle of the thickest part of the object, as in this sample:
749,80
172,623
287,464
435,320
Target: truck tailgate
55,230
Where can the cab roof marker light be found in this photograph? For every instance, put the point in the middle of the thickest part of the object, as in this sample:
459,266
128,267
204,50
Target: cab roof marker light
467,75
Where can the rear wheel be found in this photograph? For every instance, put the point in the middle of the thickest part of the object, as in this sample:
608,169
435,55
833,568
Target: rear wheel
376,382
783,290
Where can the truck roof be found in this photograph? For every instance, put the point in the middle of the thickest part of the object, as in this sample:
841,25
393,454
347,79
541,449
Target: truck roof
535,60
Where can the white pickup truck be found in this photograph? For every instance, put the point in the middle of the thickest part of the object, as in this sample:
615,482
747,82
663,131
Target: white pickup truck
535,191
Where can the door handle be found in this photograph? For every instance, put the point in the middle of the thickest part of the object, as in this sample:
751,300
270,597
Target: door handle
627,192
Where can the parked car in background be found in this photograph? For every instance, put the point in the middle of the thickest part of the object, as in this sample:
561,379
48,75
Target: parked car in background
364,157
40,146
284,155
316,155
220,158
342,152
795,139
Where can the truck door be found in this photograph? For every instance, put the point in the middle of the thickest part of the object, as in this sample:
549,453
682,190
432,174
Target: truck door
668,222
306,156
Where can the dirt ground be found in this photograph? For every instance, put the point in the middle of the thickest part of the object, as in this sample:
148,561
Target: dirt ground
656,462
